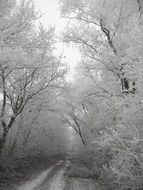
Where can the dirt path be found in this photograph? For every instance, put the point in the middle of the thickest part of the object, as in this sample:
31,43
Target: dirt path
48,179
35,182
57,183
54,179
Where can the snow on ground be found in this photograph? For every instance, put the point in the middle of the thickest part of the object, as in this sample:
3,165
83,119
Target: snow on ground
57,182
81,184
53,179
35,182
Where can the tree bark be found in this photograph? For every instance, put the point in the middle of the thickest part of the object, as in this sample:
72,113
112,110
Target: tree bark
6,129
3,140
79,130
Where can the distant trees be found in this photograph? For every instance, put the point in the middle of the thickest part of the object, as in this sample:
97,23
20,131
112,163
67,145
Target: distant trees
38,131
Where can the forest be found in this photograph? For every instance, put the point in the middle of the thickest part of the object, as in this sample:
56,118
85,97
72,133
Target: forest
89,129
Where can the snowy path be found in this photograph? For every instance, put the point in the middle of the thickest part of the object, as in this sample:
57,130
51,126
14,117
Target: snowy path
57,182
35,182
82,184
53,179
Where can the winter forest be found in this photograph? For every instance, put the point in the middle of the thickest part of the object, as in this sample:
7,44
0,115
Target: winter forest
83,133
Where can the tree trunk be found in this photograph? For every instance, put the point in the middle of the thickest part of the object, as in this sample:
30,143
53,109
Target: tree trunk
6,129
3,140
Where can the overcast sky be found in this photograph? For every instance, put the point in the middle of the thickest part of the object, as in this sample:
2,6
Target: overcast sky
50,9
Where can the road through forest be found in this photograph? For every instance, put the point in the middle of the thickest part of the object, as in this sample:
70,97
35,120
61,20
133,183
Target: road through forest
54,179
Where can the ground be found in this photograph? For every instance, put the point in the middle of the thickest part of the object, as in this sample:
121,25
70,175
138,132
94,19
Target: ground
54,178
